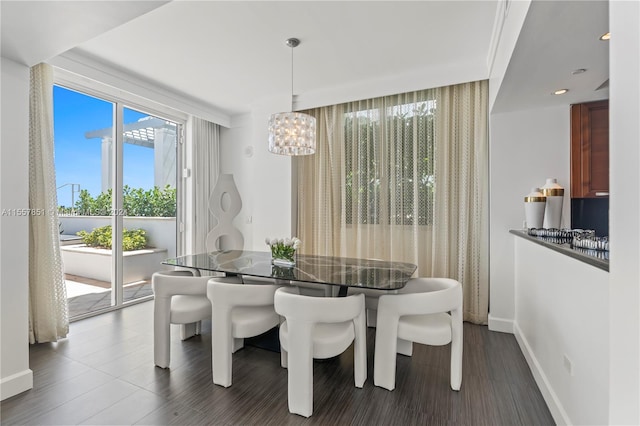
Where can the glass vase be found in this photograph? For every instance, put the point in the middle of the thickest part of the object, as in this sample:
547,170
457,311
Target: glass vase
283,256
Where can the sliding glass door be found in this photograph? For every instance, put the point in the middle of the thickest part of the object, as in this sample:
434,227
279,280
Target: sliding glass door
116,179
149,159
83,141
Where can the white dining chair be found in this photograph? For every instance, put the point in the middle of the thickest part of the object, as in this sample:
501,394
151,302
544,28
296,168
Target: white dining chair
237,311
318,327
426,311
179,298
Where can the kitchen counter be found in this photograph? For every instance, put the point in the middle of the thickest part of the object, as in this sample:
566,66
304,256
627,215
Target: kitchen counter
597,258
561,316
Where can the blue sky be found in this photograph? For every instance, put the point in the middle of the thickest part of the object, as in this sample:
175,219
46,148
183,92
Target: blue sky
77,159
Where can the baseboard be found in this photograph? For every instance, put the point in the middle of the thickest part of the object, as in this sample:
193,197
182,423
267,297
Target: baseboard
555,406
15,384
502,325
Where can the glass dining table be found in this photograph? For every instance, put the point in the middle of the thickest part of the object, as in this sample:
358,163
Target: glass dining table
341,272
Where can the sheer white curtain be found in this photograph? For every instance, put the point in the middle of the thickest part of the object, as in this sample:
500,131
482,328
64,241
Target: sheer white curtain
206,168
48,310
460,218
359,195
403,178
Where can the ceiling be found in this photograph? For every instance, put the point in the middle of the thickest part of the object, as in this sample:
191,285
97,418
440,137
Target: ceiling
35,31
557,38
231,54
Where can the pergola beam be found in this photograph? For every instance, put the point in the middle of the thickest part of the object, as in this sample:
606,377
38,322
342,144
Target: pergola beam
139,133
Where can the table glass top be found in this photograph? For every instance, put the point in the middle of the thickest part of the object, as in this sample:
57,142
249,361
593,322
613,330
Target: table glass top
364,273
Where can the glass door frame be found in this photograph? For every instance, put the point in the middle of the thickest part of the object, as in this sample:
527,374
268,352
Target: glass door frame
120,101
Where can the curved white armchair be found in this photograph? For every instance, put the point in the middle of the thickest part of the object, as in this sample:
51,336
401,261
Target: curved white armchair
179,298
238,311
318,327
419,313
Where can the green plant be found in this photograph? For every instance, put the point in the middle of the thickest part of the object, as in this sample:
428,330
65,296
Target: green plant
389,152
134,239
154,202
89,206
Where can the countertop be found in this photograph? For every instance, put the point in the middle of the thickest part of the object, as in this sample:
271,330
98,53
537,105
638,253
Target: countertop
597,258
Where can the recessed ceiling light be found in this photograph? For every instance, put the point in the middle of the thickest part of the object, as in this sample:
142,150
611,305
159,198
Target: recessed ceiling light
560,91
605,36
578,71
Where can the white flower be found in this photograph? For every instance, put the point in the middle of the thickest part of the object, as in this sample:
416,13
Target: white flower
286,242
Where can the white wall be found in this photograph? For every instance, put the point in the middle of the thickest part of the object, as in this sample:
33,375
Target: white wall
525,148
263,178
15,375
624,212
624,225
237,156
509,21
562,311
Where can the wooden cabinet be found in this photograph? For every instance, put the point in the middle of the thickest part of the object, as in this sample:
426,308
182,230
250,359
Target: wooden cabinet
590,150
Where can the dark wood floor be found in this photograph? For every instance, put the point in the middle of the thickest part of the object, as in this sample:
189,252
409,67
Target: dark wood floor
104,374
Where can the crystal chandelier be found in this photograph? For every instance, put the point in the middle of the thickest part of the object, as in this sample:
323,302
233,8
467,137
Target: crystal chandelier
292,133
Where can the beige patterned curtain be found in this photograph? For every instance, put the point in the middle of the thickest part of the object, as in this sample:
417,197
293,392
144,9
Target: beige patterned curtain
403,178
48,310
206,168
460,237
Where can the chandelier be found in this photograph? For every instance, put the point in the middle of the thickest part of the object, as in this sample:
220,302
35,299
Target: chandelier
292,133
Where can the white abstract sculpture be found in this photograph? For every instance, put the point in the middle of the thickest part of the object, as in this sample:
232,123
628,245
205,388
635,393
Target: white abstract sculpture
225,204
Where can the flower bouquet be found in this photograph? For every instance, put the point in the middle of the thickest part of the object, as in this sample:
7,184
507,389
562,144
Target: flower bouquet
283,251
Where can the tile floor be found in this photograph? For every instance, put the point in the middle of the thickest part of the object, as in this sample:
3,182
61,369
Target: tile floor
86,296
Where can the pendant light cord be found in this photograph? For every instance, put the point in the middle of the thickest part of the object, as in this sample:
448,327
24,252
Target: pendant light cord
292,78
292,43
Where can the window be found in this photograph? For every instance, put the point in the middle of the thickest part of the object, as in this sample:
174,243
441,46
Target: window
404,178
389,153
